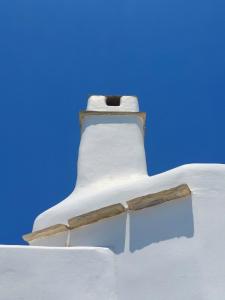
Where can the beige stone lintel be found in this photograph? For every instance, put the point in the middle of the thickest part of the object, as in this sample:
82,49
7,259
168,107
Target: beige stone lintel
96,215
83,114
78,221
45,232
178,192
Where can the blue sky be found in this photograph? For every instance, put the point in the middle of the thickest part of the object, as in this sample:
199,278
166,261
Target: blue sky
54,53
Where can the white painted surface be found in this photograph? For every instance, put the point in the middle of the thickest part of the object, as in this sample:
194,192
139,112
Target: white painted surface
177,250
172,251
111,148
111,156
44,273
127,103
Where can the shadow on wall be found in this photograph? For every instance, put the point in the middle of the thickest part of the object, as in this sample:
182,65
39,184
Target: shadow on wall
173,219
109,233
113,119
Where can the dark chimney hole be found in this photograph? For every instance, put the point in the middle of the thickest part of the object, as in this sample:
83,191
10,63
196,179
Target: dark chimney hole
113,100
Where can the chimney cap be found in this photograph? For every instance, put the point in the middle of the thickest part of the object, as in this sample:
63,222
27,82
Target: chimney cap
113,103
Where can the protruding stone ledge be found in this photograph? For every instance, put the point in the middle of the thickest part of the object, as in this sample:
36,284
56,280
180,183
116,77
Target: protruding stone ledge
78,221
45,232
96,215
178,192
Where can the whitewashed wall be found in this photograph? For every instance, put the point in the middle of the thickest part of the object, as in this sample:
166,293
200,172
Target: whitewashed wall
44,273
177,250
171,251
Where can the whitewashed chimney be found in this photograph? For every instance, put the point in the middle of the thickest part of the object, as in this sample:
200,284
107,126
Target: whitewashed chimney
112,140
163,232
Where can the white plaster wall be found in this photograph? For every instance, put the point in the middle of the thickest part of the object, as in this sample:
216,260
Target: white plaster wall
47,273
111,148
170,251
111,158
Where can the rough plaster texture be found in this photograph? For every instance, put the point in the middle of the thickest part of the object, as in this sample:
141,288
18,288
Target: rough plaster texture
40,273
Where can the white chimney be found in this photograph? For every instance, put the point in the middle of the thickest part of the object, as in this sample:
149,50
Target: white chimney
164,232
112,142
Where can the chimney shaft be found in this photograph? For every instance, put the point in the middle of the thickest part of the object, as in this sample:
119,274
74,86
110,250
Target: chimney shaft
112,143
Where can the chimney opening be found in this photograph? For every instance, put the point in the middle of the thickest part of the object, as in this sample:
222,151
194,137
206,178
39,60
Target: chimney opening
113,100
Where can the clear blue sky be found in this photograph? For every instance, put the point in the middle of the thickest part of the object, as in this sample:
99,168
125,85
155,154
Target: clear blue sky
54,53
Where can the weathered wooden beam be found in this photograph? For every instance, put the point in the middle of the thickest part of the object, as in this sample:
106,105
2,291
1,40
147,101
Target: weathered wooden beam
178,192
46,232
96,215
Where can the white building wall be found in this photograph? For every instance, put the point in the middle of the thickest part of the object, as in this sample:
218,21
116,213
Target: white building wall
111,155
175,250
44,273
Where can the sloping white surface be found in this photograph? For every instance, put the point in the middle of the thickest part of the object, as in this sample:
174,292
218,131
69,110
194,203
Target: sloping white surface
174,250
177,250
171,251
103,193
111,158
39,273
